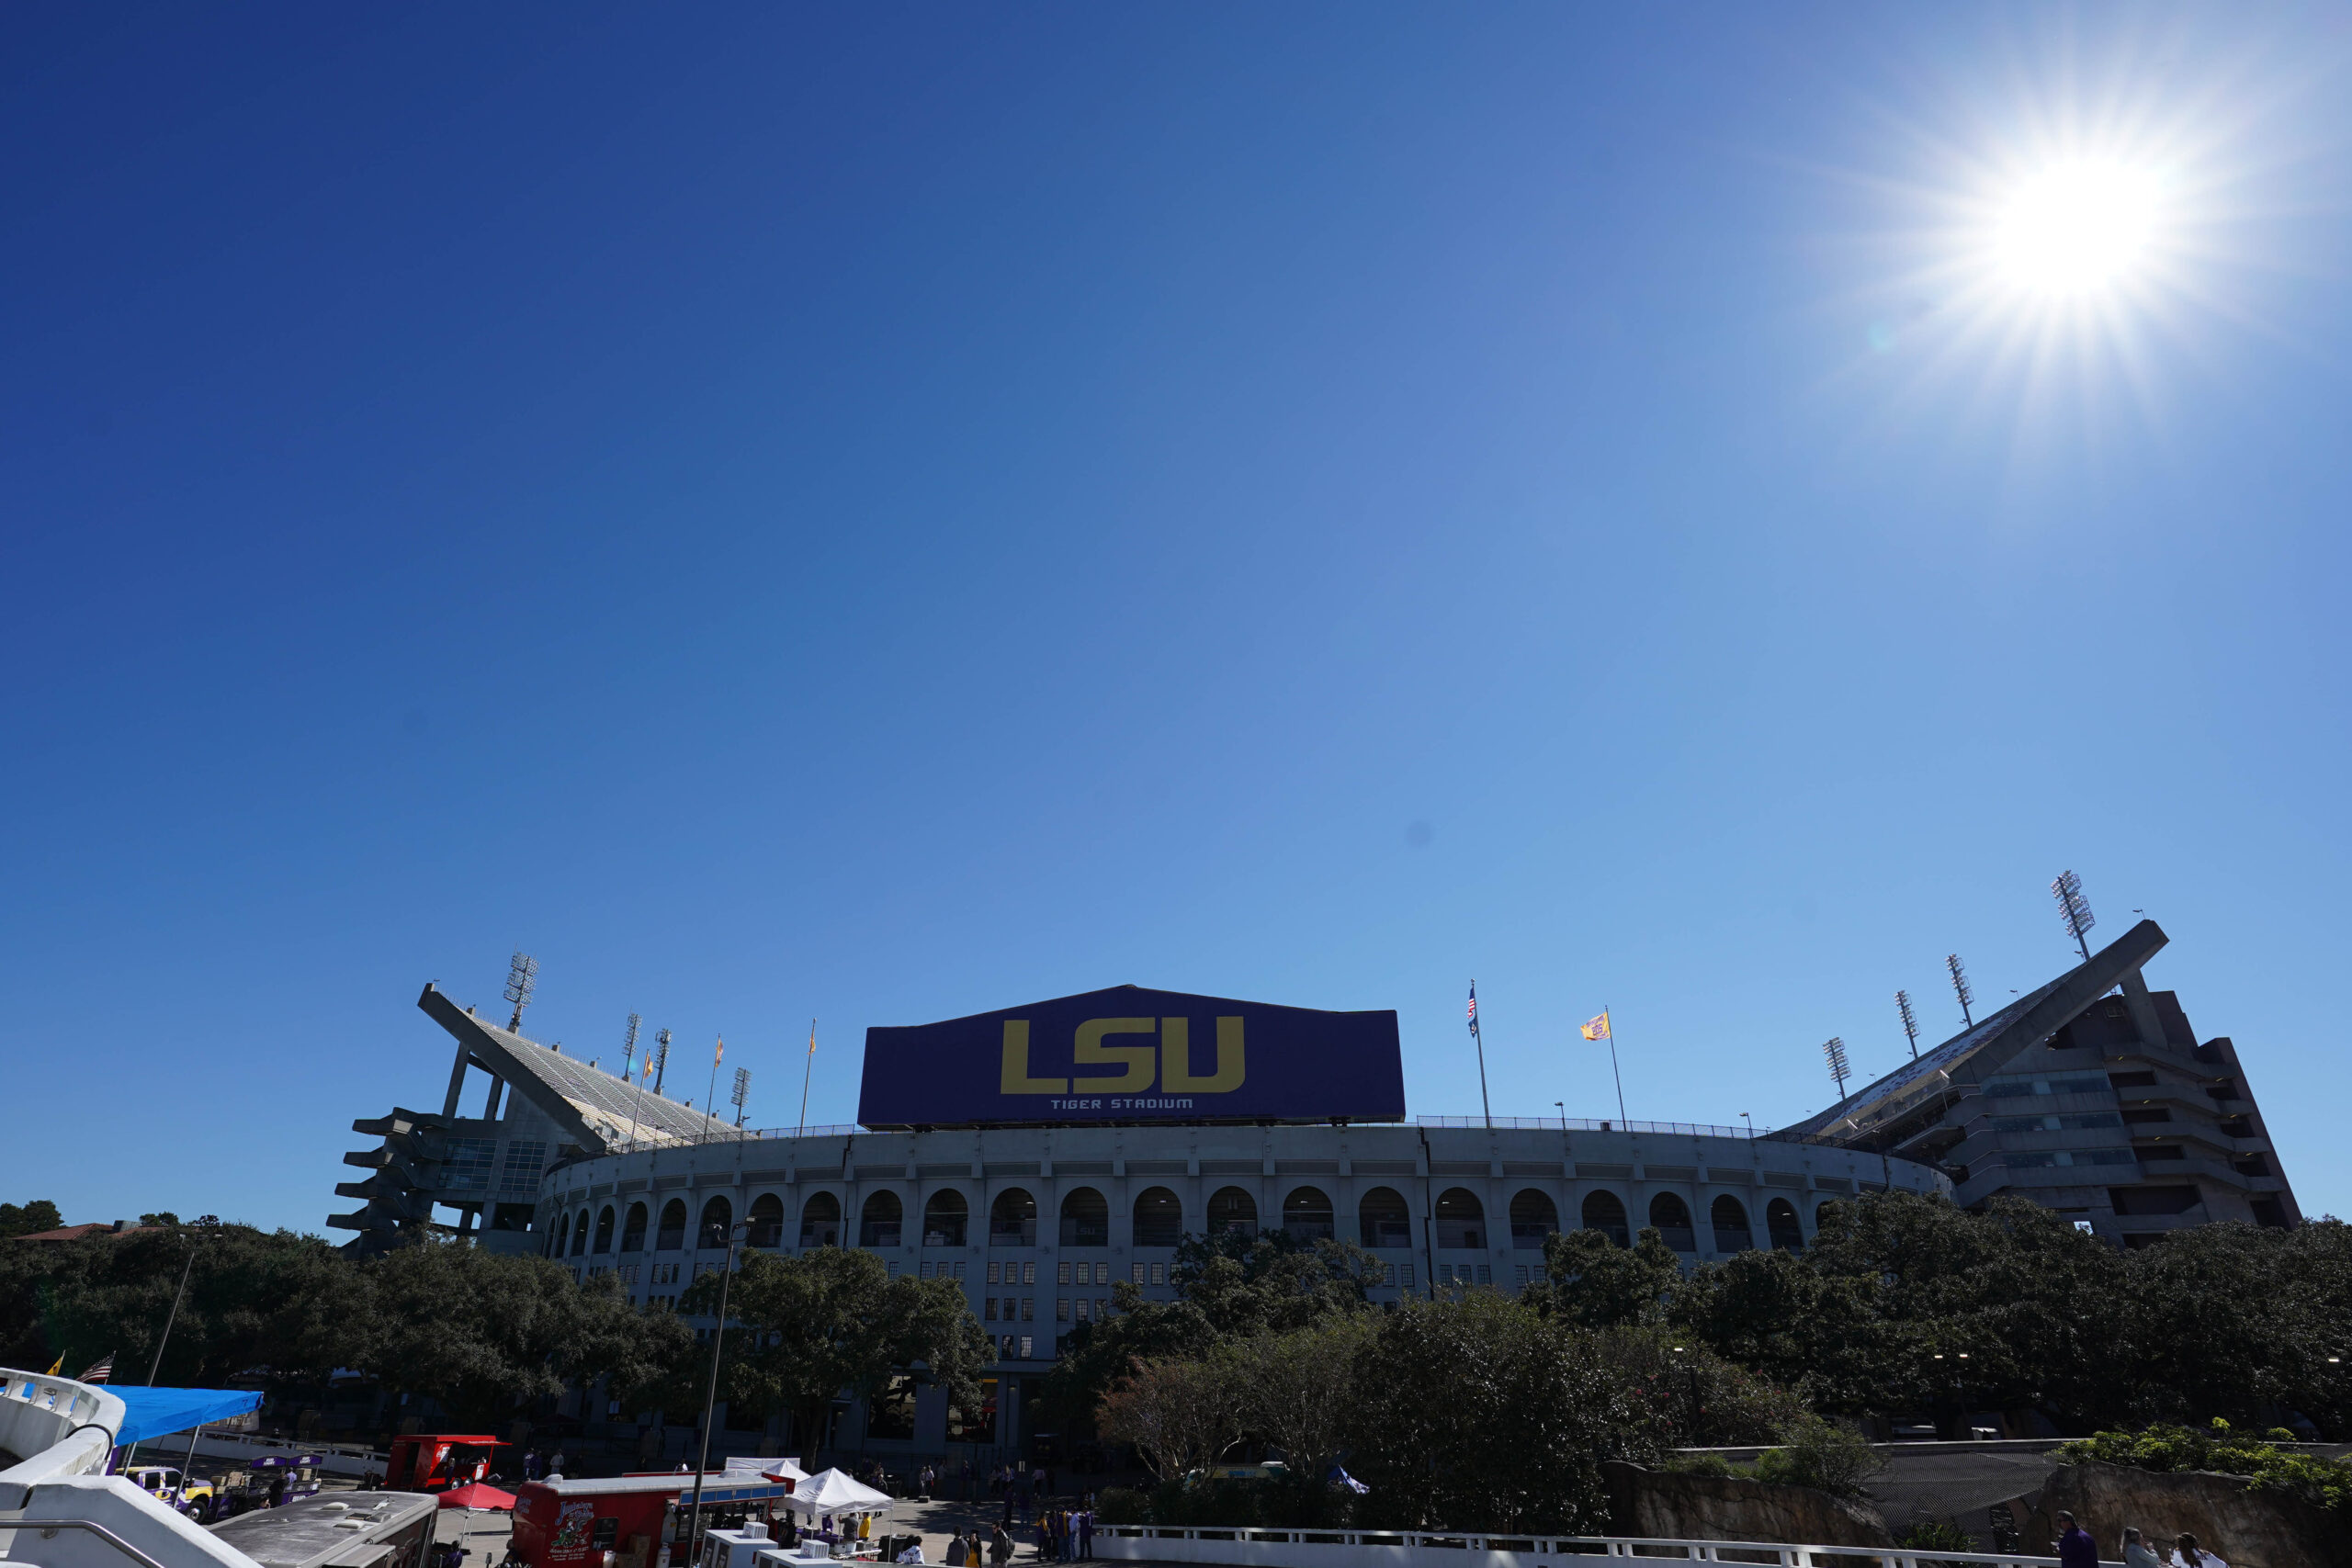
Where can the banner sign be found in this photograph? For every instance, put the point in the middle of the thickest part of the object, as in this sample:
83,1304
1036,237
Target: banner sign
1130,1054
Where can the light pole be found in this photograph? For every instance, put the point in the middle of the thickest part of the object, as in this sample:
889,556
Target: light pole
710,1399
156,1365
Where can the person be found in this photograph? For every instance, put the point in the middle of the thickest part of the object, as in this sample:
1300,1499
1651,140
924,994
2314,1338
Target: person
973,1550
2137,1553
2075,1547
2187,1554
1086,1532
913,1553
956,1556
1000,1544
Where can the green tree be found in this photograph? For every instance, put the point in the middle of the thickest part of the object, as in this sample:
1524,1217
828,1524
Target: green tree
832,1322
1592,1282
29,1219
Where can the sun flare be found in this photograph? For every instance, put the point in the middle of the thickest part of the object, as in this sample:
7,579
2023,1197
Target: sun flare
2078,227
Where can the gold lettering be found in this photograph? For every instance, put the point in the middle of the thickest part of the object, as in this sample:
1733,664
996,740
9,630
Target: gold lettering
1176,1065
1135,1059
1016,1078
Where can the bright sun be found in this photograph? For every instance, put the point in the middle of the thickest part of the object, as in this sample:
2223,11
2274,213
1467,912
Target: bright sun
2079,227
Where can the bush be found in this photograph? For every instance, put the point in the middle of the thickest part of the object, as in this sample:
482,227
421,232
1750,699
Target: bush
1697,1465
1120,1506
1938,1535
2326,1483
1822,1455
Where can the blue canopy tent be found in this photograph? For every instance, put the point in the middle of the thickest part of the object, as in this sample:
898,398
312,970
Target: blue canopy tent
153,1412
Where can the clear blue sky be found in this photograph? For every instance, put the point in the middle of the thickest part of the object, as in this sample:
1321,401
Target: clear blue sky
884,513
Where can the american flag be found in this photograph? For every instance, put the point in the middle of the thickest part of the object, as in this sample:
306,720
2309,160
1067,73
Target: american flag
1474,1007
99,1371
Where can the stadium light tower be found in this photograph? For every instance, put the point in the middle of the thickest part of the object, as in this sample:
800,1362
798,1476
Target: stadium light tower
522,975
2073,909
742,1092
1910,1022
1959,988
628,1045
661,1057
1834,1050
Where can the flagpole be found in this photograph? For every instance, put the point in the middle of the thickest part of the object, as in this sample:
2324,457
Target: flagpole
710,1095
806,1068
1610,1024
1484,1104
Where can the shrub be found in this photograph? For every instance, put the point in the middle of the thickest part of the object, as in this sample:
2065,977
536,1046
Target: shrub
2326,1483
1937,1535
1120,1506
1697,1465
1822,1455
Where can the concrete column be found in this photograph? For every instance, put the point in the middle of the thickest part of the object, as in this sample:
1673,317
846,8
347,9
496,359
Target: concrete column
2142,1009
456,1084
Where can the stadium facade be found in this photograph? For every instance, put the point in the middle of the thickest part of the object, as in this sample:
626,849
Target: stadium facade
1101,1129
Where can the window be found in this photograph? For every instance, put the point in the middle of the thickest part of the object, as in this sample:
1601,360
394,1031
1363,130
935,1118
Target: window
1083,1315
633,1229
1672,1218
673,1234
519,1176
959,1268
977,1425
2143,1117
1521,1275
604,1228
878,1224
1028,1273
993,1268
892,1415
1062,1310
579,1235
1729,1217
1086,1219
1486,1273
1138,1273
768,1221
1306,1214
1232,1210
1780,1224
1605,1212
1102,1273
1063,1278
1405,1276
989,1315
1013,1219
470,1162
821,1220
1382,1219
943,1219
1028,1348
1028,1309
923,1270
1461,1218
1159,1218
1101,1308
1159,1273
1532,1218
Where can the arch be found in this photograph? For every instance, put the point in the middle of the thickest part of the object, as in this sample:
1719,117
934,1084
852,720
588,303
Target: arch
1781,1223
1159,1218
1605,1211
1383,1219
718,1218
943,1218
821,1220
1231,1209
1461,1218
1533,1216
768,1221
633,1229
879,1223
1306,1214
1671,1215
579,1235
604,1229
1013,1219
673,1234
563,1236
1729,1217
1086,1218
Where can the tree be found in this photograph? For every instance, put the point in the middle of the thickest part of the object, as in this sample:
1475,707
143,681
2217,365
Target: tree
1181,1415
832,1322
29,1219
1593,1282
1301,1392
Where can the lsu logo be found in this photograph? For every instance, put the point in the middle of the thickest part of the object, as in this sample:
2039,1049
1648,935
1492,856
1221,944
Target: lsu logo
1133,1068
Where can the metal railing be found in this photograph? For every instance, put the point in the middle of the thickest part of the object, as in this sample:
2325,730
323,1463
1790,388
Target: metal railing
1244,1547
1580,1124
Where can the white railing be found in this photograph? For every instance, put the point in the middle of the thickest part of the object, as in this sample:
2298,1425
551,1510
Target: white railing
55,1426
1247,1548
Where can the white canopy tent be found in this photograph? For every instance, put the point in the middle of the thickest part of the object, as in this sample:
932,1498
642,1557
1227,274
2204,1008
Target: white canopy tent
831,1492
769,1469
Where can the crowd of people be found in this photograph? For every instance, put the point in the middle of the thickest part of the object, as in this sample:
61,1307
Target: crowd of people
2078,1547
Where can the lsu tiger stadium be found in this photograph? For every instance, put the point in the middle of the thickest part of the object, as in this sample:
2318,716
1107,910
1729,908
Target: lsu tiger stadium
1040,1154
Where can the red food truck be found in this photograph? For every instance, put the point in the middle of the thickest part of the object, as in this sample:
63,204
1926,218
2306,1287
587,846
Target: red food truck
437,1461
616,1522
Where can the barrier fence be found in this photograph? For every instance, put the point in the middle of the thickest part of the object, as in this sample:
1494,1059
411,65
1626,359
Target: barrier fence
1240,1548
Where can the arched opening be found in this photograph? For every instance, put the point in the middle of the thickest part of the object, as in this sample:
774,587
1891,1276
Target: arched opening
768,1221
1780,1220
563,1236
633,1229
673,1234
1461,1218
1306,1214
943,1217
1671,1215
1733,1233
1013,1219
579,1235
1232,1210
1382,1219
1086,1218
878,1225
604,1229
1159,1218
718,1218
1605,1211
1533,1216
821,1220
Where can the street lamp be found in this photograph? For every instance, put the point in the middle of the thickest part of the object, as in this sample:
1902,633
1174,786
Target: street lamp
735,1233
156,1365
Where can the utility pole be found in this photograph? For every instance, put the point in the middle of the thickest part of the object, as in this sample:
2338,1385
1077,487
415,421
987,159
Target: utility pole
156,1366
710,1399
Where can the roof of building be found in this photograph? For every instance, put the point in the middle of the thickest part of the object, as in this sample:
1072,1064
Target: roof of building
1988,1043
600,1107
76,1232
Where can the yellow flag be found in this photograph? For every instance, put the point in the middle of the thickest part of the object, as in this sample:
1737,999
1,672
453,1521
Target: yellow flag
56,1367
1596,1027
